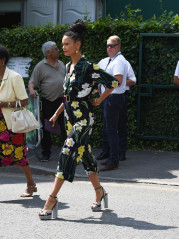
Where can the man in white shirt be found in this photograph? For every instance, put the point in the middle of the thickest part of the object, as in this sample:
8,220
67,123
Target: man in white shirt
176,75
114,105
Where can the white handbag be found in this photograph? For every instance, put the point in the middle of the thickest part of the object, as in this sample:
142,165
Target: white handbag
23,120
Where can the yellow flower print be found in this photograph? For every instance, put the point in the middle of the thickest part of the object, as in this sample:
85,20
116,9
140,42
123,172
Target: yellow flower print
90,114
77,113
78,158
81,150
115,84
84,122
75,104
89,147
69,127
2,126
60,175
95,67
7,149
78,127
19,152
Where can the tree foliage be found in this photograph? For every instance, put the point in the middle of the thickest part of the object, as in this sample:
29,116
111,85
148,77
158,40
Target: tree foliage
160,56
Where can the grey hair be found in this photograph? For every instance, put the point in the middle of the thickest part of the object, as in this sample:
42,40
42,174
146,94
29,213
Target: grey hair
47,46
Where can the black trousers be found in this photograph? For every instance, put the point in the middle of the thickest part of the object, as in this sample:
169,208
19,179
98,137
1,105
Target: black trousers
114,126
48,109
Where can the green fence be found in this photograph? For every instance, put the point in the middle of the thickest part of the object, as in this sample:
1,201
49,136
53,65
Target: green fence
158,97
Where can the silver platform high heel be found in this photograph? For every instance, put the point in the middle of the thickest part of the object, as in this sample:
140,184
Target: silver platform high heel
96,207
48,214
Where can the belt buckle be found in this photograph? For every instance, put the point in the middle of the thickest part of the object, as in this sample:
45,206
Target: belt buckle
67,98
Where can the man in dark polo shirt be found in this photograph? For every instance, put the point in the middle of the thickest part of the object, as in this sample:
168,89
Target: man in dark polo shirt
49,75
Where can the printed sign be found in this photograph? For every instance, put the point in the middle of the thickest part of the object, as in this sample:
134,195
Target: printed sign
20,65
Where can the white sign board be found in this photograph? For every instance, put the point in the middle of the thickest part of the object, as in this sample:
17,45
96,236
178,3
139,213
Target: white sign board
20,65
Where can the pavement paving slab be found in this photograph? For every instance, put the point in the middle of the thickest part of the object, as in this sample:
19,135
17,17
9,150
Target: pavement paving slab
141,166
154,167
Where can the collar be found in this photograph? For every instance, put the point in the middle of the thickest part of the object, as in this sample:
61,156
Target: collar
5,77
46,62
119,53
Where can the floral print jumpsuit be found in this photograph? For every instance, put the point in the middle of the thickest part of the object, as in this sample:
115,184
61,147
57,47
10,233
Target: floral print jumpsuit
79,88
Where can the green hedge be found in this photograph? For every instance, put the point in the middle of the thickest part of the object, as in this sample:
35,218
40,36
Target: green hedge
27,42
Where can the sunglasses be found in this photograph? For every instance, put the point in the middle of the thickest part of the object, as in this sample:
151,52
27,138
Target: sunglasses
111,45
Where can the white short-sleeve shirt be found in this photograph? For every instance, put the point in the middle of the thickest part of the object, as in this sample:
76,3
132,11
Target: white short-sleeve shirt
130,74
117,66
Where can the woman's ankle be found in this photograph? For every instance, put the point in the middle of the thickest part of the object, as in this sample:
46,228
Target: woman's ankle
31,183
99,193
50,203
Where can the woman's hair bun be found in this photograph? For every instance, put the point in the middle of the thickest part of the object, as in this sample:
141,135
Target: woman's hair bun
78,27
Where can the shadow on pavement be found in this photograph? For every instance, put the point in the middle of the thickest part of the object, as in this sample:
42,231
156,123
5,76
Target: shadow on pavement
110,218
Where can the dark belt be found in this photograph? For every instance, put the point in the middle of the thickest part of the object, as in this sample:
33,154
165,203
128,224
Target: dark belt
67,98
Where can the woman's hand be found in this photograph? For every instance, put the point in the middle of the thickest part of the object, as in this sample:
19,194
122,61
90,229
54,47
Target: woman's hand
96,102
56,115
53,119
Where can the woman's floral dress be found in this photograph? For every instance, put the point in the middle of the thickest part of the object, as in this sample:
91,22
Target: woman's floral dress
79,88
13,148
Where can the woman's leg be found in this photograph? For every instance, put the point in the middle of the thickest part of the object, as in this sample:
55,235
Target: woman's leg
96,184
58,182
100,193
31,186
28,175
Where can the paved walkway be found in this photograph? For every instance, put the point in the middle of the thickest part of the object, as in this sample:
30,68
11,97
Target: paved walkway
141,166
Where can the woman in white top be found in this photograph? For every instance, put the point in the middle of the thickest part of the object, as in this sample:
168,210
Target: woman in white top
13,147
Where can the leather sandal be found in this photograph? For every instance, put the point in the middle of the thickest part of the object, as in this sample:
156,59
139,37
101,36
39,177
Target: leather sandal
96,207
49,214
29,191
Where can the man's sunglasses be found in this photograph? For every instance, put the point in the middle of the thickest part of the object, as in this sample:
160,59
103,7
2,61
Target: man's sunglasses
111,45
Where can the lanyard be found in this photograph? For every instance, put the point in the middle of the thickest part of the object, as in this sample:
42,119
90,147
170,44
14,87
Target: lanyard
119,53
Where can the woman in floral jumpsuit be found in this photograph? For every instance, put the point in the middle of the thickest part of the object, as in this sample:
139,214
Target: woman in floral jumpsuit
81,83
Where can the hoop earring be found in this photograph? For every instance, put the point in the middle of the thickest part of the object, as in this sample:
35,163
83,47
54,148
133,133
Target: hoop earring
76,51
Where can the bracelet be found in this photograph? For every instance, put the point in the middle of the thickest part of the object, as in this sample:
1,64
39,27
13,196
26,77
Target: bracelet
9,104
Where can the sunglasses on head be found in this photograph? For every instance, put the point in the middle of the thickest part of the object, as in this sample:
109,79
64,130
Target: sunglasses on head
111,45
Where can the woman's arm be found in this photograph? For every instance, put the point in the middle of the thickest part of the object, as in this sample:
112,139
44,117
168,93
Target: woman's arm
57,113
97,101
13,104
